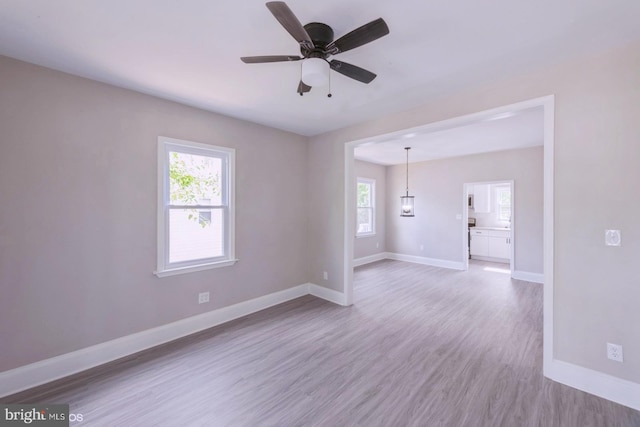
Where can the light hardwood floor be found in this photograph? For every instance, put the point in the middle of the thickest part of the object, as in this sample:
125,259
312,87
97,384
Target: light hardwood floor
421,346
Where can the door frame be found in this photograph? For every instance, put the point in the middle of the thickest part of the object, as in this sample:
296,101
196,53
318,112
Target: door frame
548,105
465,221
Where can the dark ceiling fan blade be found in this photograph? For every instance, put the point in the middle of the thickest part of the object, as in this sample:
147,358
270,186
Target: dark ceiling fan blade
356,73
362,35
288,20
303,88
272,58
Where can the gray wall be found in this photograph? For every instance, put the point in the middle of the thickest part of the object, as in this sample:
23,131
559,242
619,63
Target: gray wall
78,213
596,175
366,245
438,188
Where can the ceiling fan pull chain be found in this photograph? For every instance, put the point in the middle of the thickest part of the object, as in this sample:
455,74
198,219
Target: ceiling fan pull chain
301,93
329,94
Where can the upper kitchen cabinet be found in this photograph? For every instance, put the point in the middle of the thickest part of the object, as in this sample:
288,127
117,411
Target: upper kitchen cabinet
482,198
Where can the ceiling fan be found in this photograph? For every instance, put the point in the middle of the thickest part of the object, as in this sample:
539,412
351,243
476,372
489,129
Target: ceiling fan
317,46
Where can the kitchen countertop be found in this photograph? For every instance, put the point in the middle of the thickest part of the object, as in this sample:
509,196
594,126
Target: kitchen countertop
491,228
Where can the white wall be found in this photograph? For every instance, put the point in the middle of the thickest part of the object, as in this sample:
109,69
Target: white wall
371,245
78,213
597,105
438,187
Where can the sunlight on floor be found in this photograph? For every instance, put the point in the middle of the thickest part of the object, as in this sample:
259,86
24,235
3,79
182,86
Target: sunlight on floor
497,270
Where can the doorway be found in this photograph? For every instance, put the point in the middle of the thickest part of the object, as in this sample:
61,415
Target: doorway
488,222
547,103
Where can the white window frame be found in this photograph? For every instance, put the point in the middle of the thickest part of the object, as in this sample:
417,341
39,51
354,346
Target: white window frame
372,193
166,145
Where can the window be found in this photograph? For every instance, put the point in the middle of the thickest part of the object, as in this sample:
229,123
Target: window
195,206
366,207
503,197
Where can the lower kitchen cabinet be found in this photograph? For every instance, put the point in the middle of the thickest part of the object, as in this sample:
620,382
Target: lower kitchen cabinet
490,243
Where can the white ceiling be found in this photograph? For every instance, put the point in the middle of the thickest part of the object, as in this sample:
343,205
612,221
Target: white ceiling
189,50
500,132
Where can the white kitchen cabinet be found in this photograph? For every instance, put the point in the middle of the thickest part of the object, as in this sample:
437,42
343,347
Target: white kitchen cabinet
490,243
499,244
482,198
479,244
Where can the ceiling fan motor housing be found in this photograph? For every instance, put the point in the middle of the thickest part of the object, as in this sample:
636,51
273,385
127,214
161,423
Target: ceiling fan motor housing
321,35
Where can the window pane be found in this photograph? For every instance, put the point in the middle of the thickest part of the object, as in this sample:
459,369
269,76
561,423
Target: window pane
365,220
194,180
195,234
364,195
505,213
504,196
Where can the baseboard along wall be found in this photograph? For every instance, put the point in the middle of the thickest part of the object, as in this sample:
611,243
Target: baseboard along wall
44,371
454,265
15,380
608,387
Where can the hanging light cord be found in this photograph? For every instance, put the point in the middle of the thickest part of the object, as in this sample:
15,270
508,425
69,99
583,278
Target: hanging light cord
407,148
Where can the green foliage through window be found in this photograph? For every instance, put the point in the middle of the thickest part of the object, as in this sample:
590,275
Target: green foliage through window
194,180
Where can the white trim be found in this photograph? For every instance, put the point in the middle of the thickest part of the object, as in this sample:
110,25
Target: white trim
38,373
369,259
349,222
327,294
547,240
528,276
194,268
442,263
608,387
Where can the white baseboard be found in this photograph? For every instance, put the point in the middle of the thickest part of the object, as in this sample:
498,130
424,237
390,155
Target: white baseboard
608,387
327,294
38,373
527,276
454,265
369,259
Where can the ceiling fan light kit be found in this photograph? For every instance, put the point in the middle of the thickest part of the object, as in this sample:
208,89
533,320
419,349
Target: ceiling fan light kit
315,72
317,46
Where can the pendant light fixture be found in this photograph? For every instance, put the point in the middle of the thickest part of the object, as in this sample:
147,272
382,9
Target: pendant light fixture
407,201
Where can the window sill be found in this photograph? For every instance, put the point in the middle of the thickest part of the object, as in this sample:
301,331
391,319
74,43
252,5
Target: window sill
360,236
194,268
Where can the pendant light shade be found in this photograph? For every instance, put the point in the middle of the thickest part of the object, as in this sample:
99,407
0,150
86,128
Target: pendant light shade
315,72
407,201
407,205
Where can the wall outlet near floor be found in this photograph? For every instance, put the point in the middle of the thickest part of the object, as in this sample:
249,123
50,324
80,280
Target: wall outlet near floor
612,237
614,352
203,297
377,244
325,275
422,247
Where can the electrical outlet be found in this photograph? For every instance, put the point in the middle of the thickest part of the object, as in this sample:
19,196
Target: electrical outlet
325,275
614,352
203,297
377,244
612,237
422,247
